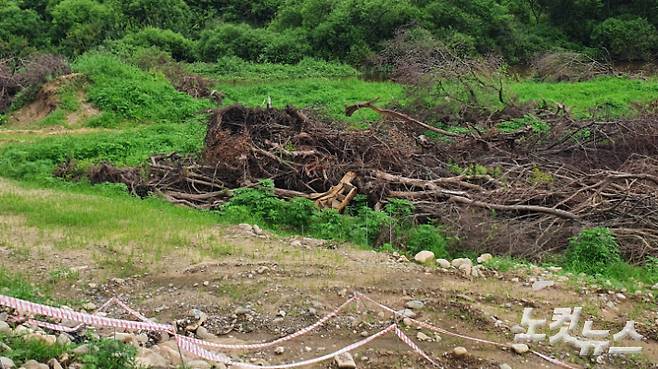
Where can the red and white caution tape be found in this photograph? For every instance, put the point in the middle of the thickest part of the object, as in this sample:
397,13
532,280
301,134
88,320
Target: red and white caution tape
89,319
474,339
301,332
404,338
326,357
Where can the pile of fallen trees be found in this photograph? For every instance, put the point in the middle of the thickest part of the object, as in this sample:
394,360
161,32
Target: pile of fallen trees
523,192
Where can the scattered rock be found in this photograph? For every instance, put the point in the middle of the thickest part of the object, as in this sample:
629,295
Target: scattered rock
142,338
345,361
456,263
415,304
423,337
517,329
460,351
540,285
443,263
90,306
33,364
5,328
406,313
520,348
424,257
504,366
63,339
54,364
246,228
620,296
476,271
151,359
197,364
203,334
402,259
466,268
296,243
279,350
258,230
6,363
127,338
4,347
81,350
484,258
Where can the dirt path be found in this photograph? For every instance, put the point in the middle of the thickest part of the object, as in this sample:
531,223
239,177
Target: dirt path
288,283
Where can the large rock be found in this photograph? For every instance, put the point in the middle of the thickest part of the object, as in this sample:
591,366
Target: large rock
540,285
415,304
5,328
484,258
443,263
460,351
33,364
424,257
64,339
345,361
203,334
520,348
150,359
198,364
54,364
6,363
456,263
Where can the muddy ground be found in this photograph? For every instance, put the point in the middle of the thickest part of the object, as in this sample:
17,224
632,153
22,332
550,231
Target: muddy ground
287,283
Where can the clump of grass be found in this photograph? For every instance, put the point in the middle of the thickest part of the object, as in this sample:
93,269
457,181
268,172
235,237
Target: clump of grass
23,350
17,286
232,68
133,94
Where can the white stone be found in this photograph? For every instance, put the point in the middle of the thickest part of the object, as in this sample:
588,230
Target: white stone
517,329
415,304
484,258
466,268
6,363
406,313
54,364
5,328
443,263
198,364
345,361
424,257
540,285
90,306
203,334
279,350
504,366
460,351
520,348
423,337
63,339
457,262
33,364
151,359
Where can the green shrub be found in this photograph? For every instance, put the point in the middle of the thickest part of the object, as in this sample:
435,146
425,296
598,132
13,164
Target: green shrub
426,237
23,350
82,24
592,251
110,354
21,30
260,200
168,14
627,39
180,47
133,94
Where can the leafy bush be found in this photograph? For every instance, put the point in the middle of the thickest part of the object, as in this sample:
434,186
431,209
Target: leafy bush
180,47
252,44
260,200
110,354
592,251
134,94
627,39
21,30
427,237
82,24
168,14
30,349
234,68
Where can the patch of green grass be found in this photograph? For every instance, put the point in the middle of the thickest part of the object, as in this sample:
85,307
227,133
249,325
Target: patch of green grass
15,285
23,350
63,274
110,354
232,68
613,96
506,263
108,215
327,95
133,94
129,147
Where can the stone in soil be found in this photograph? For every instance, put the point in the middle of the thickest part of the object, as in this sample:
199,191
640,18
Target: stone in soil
406,313
424,257
197,364
7,363
460,351
443,263
33,364
484,258
279,350
504,366
540,285
520,348
345,361
150,359
5,328
54,364
456,263
415,304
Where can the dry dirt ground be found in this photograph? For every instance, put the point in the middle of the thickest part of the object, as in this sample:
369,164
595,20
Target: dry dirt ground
287,283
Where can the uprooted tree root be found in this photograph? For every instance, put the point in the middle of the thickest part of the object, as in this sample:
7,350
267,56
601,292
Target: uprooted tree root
522,193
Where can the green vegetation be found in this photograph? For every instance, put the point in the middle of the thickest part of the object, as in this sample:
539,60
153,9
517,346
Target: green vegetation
15,285
609,96
30,349
592,251
110,354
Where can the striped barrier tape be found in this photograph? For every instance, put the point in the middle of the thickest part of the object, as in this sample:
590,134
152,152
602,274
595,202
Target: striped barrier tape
301,332
404,338
89,319
479,340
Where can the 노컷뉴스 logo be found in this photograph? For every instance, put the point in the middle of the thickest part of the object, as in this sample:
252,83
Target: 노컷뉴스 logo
590,342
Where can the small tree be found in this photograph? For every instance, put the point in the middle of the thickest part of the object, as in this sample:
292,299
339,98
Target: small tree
627,39
592,251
